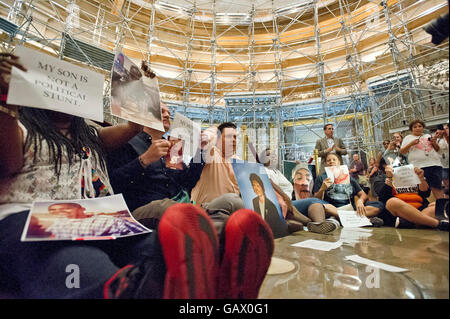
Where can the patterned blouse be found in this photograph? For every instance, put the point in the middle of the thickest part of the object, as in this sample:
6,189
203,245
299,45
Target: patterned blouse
38,181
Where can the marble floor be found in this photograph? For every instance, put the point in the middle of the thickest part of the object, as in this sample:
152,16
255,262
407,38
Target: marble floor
303,273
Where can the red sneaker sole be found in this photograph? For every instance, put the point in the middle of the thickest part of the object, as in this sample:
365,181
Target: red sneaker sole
190,247
248,250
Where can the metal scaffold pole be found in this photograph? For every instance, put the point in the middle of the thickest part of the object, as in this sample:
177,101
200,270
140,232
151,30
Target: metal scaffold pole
213,66
320,64
279,78
251,66
188,59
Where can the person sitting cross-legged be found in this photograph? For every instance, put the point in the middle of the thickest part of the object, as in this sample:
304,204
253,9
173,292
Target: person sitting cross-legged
406,208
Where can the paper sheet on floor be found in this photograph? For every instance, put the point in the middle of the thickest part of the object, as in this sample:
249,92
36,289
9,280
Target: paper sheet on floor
355,235
376,264
318,244
351,219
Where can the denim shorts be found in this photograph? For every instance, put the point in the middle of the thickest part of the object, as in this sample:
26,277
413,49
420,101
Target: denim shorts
302,205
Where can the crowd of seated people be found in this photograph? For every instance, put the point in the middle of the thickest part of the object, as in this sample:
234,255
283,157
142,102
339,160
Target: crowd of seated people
47,155
43,156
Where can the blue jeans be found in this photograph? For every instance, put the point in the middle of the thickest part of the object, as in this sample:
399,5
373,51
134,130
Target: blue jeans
39,269
302,205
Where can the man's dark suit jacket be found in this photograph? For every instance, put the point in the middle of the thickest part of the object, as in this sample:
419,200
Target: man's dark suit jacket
278,226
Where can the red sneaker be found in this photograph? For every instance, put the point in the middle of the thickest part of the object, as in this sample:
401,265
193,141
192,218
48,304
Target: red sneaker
190,247
248,250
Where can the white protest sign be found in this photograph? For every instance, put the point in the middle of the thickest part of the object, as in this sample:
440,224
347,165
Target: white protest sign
349,219
56,85
187,130
405,177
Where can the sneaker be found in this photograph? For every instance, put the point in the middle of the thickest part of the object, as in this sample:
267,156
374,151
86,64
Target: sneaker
443,225
441,210
403,223
190,247
247,255
134,282
325,227
376,221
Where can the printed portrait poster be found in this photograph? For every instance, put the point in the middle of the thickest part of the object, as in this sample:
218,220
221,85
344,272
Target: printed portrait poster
338,174
134,97
57,85
258,195
99,218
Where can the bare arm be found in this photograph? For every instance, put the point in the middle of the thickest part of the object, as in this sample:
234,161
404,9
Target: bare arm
11,145
423,186
405,149
11,137
434,142
117,135
325,185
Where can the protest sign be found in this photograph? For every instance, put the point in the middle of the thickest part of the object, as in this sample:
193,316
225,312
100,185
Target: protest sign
188,131
405,177
135,97
56,85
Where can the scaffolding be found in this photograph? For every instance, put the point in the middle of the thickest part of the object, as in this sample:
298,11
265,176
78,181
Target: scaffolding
279,66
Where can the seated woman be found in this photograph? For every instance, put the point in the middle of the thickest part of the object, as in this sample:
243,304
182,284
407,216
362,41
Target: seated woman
316,209
344,194
406,209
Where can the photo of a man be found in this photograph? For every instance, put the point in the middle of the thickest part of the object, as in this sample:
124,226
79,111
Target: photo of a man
64,220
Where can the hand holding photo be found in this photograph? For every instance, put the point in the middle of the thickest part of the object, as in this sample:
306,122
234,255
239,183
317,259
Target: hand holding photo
134,96
338,174
174,158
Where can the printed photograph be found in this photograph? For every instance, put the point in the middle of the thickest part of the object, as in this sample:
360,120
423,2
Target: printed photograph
134,97
258,195
338,174
85,219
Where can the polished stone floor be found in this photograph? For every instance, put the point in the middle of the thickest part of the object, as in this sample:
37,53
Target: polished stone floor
303,273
